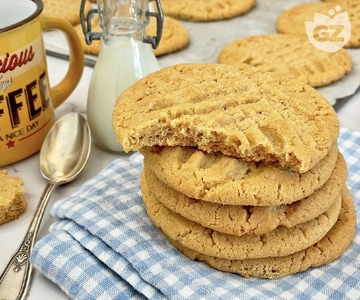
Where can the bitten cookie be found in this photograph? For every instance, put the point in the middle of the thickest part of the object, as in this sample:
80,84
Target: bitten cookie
239,220
292,20
279,242
206,10
12,199
227,180
218,108
328,249
293,55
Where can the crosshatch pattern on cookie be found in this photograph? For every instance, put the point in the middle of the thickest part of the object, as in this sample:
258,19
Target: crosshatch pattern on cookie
219,108
227,180
293,55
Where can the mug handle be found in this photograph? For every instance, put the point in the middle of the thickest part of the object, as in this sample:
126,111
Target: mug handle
65,87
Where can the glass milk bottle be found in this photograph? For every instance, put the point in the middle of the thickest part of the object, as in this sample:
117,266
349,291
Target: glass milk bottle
124,58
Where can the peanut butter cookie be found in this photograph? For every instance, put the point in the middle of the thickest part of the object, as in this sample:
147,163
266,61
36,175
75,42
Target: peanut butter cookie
292,20
290,54
66,9
218,108
206,10
227,180
12,199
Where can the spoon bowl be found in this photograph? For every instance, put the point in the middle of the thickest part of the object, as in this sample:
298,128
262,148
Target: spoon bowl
66,149
63,156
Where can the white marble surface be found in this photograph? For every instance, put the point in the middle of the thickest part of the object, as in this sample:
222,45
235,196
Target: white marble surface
205,45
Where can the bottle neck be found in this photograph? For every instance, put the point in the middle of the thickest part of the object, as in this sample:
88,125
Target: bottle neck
126,18
123,17
137,35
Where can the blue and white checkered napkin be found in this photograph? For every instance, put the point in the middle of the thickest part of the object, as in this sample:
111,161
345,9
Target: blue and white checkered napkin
105,247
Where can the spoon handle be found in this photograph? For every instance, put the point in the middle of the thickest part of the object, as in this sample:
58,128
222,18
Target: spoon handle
15,278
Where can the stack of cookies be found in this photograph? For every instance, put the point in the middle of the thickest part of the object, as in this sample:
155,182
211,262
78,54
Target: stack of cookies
241,168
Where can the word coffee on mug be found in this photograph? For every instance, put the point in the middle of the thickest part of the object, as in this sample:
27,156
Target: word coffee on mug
27,100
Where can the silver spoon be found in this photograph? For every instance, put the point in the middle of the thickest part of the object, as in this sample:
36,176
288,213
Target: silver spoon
63,156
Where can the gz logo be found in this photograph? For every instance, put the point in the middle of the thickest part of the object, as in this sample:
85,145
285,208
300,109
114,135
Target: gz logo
329,33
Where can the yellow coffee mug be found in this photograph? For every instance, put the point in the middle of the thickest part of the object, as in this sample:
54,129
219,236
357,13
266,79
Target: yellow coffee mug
27,101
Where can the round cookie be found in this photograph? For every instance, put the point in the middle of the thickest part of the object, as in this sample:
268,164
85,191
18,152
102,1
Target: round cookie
206,10
66,9
343,2
348,2
290,54
174,36
239,220
328,249
218,108
279,242
12,200
292,20
227,180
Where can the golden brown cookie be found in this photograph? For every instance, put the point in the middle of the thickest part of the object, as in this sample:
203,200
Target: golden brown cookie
290,54
279,242
12,199
206,10
239,220
174,36
218,108
66,9
227,180
328,249
292,20
343,1
348,2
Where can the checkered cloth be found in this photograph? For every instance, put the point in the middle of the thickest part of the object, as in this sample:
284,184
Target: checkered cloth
104,246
